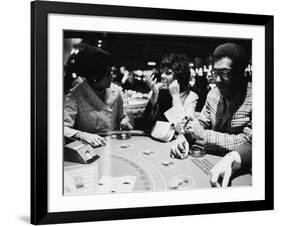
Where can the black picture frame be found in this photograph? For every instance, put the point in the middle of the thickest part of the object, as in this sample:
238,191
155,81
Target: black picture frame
39,112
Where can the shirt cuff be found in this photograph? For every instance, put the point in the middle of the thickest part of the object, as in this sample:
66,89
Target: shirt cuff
237,160
206,137
235,156
69,132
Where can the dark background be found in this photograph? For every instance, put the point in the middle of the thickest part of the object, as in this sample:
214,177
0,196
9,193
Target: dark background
135,50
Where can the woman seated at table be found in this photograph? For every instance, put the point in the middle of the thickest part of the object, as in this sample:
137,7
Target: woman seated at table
173,91
96,104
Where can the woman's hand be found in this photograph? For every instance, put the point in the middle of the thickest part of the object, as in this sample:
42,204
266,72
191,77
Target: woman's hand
125,125
151,82
174,88
92,139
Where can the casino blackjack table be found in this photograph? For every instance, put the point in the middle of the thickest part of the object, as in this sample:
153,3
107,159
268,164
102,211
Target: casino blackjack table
136,163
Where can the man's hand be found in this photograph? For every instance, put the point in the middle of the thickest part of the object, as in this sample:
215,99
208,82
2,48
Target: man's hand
222,169
92,139
194,128
180,148
174,89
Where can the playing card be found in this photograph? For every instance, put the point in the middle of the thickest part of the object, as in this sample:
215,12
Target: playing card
174,114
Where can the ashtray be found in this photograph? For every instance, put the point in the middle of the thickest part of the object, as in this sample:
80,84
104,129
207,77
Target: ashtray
197,151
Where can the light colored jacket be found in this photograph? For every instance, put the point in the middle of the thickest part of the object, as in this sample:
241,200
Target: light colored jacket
188,102
85,111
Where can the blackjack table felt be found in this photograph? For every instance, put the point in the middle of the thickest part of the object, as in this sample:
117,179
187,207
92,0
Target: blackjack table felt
149,162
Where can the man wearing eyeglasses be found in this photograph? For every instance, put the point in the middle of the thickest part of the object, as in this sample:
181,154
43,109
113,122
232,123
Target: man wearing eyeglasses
227,110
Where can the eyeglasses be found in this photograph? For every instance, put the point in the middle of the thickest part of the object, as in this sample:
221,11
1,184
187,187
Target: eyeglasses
224,74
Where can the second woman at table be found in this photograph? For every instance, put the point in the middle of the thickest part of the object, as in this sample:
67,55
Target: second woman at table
172,91
96,104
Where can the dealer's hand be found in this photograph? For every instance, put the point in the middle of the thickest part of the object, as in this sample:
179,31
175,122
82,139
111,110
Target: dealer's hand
180,148
222,169
92,139
194,128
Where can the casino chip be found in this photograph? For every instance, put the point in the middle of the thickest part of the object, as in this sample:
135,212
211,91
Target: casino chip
181,182
113,136
148,153
124,146
167,164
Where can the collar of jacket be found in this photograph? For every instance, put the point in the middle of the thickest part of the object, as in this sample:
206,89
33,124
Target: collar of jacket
111,95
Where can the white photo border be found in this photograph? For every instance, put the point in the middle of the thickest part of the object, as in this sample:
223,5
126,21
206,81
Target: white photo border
57,23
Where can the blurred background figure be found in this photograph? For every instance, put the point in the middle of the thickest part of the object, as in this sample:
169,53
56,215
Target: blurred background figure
116,75
68,45
134,84
71,79
125,74
201,83
209,61
248,71
131,83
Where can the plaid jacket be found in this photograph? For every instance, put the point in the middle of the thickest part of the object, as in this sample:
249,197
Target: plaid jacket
224,124
245,152
85,111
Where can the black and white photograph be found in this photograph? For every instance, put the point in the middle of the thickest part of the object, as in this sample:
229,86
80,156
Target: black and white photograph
132,112
147,113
